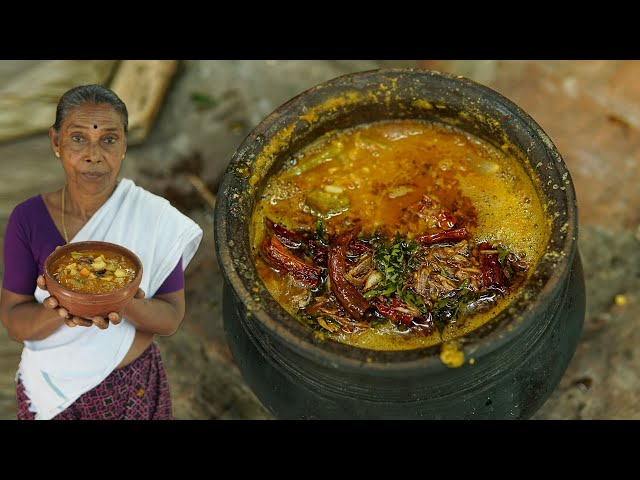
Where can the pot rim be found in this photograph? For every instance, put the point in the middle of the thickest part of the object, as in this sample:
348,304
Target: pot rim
238,185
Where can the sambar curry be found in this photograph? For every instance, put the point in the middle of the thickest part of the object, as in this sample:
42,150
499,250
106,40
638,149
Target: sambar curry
93,272
397,235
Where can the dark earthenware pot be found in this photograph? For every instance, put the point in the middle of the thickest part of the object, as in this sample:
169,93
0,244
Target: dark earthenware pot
519,357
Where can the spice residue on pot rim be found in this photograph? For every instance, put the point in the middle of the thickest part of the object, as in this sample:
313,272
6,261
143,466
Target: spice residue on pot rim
466,210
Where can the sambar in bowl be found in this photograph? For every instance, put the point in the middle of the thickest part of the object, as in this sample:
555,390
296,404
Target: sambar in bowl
92,278
400,244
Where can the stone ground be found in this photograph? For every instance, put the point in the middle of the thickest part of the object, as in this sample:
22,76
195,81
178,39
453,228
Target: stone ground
590,109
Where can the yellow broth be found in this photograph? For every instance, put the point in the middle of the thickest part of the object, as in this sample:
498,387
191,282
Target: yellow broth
93,272
384,178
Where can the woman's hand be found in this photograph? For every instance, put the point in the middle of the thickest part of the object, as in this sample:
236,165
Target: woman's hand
113,317
51,303
71,320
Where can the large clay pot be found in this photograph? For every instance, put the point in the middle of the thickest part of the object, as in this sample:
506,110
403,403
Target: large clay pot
519,357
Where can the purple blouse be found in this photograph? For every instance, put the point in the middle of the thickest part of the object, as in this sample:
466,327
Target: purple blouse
31,236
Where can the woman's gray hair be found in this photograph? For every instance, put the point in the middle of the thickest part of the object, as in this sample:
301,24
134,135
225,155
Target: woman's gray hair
97,94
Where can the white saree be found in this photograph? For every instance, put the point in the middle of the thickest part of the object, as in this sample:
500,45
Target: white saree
71,361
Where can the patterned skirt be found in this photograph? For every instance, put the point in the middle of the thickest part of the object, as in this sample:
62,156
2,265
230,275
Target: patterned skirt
137,391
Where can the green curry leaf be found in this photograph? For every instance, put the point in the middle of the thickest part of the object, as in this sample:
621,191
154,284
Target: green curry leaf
394,260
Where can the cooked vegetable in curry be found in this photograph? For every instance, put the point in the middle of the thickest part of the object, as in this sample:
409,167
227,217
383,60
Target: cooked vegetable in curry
397,235
93,272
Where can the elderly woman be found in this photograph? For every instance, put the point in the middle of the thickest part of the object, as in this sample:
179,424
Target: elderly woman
99,368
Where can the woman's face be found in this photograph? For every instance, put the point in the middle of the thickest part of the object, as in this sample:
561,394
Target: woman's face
92,144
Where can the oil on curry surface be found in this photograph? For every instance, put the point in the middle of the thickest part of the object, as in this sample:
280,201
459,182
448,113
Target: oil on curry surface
397,235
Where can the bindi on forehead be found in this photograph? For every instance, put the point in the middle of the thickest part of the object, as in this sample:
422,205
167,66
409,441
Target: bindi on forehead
95,126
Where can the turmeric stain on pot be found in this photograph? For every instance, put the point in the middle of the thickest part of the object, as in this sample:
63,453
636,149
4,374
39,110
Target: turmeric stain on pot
451,354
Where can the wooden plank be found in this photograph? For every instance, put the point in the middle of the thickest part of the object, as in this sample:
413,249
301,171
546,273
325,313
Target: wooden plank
29,93
142,84
202,189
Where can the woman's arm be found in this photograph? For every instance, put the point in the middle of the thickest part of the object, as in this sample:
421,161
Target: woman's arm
26,319
160,315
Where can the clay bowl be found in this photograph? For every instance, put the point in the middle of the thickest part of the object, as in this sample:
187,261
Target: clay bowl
89,305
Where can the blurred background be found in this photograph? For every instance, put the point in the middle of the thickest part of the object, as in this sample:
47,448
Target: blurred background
188,117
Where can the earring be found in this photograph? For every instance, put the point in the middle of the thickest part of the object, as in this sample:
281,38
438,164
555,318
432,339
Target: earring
58,154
